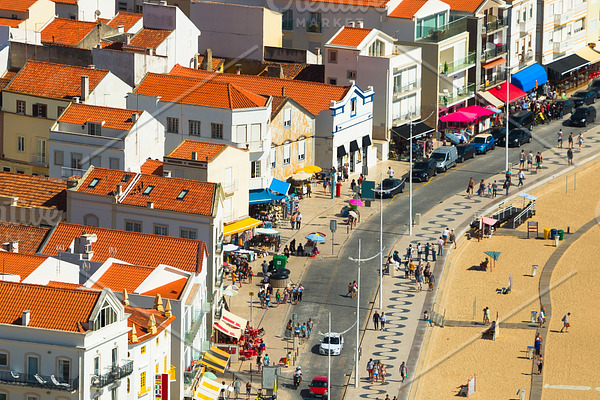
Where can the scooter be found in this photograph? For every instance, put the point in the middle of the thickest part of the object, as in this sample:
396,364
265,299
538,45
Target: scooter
297,381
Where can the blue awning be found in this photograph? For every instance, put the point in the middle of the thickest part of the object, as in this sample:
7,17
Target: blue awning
280,187
530,77
261,196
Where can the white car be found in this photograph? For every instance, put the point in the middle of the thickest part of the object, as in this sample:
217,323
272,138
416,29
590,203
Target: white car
332,343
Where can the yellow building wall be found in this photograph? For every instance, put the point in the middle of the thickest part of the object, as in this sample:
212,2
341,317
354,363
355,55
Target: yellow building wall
301,127
40,12
272,33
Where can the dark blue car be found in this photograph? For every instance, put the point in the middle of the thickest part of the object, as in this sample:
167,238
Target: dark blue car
483,143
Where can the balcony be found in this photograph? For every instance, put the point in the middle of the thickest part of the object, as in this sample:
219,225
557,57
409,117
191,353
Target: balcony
494,24
493,81
442,33
449,68
405,117
402,89
39,159
116,373
67,172
230,187
562,46
493,52
16,378
563,18
525,58
450,98
190,335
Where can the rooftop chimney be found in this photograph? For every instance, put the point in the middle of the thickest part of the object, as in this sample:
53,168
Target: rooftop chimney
134,117
75,99
194,155
196,61
119,190
12,246
121,28
150,204
238,69
25,318
85,87
283,91
360,24
351,24
208,60
91,66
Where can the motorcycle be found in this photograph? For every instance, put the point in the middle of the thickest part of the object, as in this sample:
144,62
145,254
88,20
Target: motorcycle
297,381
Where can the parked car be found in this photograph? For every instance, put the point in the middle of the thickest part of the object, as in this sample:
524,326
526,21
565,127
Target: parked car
424,169
517,137
595,86
584,97
445,157
332,343
483,143
567,105
318,386
583,116
390,187
465,151
499,134
521,119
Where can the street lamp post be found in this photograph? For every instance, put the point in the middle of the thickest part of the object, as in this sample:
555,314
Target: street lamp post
357,318
381,242
329,362
410,177
507,118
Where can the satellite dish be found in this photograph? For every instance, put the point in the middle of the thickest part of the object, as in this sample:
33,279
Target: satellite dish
97,13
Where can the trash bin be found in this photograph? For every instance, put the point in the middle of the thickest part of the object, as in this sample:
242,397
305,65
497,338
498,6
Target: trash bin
546,233
279,261
553,233
534,268
533,316
561,234
556,240
338,189
530,352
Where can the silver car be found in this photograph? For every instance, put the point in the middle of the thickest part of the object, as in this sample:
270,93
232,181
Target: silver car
332,343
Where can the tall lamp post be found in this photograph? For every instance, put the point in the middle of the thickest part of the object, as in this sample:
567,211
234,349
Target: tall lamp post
507,117
381,242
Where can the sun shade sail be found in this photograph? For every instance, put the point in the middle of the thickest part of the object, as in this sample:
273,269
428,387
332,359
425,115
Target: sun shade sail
207,390
278,186
494,254
240,226
228,330
478,110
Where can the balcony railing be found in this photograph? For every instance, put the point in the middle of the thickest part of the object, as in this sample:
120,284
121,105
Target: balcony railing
194,328
116,373
562,46
406,117
563,18
231,186
446,99
494,25
525,57
17,378
496,79
448,68
39,159
400,90
493,52
444,32
67,172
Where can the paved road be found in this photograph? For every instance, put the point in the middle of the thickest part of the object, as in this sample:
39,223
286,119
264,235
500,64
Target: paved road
326,280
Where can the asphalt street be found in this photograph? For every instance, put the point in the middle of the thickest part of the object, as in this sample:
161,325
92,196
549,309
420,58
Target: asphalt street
326,280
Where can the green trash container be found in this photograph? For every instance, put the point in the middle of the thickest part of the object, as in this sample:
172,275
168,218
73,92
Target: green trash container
279,261
561,234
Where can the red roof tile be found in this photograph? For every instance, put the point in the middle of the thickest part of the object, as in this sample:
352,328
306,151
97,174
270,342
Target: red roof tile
407,9
464,5
216,62
126,19
113,118
203,93
122,276
63,285
29,237
16,5
58,81
132,247
140,318
206,151
50,307
149,38
170,290
12,22
66,32
152,167
6,78
360,3
34,191
350,36
19,264
314,97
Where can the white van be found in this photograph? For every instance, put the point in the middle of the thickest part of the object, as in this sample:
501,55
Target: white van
445,157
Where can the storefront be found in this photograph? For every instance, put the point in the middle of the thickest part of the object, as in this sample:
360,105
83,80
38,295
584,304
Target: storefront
422,136
568,72
465,123
531,78
240,231
514,93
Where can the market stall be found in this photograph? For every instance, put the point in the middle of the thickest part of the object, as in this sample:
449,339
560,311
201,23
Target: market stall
266,240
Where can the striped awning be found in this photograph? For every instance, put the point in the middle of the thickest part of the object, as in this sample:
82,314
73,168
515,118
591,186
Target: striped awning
216,359
207,390
233,320
240,226
228,330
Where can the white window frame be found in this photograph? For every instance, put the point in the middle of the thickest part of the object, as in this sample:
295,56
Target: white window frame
21,107
273,157
21,144
287,153
301,150
255,171
7,354
287,117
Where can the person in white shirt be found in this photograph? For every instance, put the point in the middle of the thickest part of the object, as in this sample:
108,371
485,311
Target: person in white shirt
390,172
440,246
521,176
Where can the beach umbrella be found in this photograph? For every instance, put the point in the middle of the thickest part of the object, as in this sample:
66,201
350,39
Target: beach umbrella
494,254
301,176
231,291
209,375
319,233
311,169
353,214
313,237
356,202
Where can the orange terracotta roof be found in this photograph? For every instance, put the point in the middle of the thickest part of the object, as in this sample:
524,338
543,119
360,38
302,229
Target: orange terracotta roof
152,167
464,5
66,32
140,317
350,36
290,70
132,247
198,199
12,22
58,81
34,191
206,151
113,118
30,237
16,5
216,62
126,19
179,89
314,97
63,285
122,276
73,2
149,38
50,307
170,290
407,9
19,264
361,3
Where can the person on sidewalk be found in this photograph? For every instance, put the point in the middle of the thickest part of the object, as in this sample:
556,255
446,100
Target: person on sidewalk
540,364
293,221
390,173
248,389
433,252
521,176
431,282
403,371
470,187
506,185
298,220
370,366
566,323
494,189
538,344
445,235
529,160
570,140
440,244
580,140
522,159
427,318
309,327
427,248
383,320
560,135
376,320
569,157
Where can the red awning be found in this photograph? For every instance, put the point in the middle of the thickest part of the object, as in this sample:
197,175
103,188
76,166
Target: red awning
514,92
459,116
492,64
478,110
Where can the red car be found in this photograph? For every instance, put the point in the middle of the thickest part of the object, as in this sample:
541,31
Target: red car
318,386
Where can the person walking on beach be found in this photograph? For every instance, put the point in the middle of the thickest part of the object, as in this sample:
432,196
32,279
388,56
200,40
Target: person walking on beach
486,316
376,320
566,323
403,371
521,176
540,364
383,320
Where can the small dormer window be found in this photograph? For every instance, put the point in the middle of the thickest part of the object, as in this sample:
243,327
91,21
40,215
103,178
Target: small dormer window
94,182
106,316
182,194
148,190
126,178
94,128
